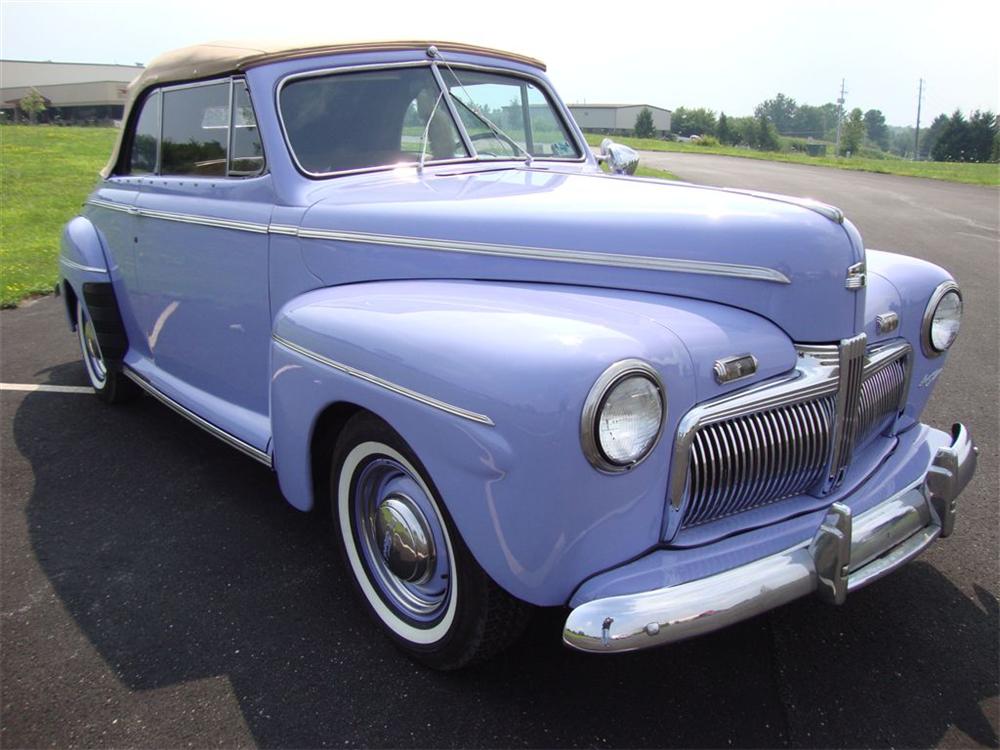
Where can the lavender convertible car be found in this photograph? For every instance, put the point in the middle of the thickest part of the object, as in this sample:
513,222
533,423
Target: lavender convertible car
395,273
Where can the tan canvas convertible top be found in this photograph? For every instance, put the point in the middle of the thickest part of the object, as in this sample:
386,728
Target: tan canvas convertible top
219,58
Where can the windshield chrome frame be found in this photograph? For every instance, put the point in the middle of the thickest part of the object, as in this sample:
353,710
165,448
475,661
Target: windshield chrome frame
555,102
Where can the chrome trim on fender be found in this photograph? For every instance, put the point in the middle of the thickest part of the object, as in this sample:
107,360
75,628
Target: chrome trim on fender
217,432
382,383
710,268
846,553
80,267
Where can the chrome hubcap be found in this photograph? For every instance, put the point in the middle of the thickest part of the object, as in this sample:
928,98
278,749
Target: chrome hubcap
407,546
401,540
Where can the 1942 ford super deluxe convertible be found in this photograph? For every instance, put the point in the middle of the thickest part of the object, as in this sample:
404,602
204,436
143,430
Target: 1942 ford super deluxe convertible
395,273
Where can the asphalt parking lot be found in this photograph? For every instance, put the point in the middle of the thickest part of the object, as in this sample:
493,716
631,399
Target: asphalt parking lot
155,590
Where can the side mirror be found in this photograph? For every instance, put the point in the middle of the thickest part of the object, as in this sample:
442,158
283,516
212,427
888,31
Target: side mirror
621,158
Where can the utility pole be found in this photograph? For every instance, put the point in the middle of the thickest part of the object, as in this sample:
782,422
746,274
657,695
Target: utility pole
916,133
840,115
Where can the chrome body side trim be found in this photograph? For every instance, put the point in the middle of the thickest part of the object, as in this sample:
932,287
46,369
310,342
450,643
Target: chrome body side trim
846,553
757,273
382,383
80,267
111,206
207,221
676,265
216,432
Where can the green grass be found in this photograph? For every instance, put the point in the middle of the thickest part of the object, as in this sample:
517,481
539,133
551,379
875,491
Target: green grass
45,175
973,174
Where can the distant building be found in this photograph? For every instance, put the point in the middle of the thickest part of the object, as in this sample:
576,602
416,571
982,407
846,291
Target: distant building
617,119
73,92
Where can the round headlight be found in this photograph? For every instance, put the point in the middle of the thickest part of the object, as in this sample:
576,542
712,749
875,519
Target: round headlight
942,319
623,416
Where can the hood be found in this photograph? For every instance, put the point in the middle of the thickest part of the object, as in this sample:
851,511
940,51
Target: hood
765,254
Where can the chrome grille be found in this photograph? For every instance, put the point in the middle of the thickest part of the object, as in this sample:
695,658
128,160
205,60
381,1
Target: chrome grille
757,459
772,442
881,394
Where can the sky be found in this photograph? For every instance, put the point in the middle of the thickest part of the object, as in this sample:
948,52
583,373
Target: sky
727,56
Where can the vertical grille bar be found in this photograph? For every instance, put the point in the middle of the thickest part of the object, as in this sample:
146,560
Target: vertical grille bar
852,366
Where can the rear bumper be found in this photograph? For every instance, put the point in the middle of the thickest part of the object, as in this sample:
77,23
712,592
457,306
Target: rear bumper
845,554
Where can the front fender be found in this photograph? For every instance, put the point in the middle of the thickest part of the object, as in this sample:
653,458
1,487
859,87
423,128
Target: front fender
904,284
486,382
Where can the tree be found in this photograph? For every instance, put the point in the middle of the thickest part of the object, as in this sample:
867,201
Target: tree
930,136
644,124
814,122
33,103
982,133
953,144
688,122
726,135
767,135
876,129
853,132
780,111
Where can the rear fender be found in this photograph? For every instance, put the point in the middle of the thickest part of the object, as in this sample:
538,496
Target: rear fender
81,260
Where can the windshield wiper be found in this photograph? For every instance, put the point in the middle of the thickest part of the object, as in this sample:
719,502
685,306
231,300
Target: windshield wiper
427,129
434,53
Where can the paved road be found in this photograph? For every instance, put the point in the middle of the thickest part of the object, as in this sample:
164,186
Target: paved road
156,591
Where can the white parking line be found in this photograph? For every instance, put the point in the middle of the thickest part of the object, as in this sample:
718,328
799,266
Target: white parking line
47,388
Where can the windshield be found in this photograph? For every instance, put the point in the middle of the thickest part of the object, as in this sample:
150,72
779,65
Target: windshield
514,106
395,116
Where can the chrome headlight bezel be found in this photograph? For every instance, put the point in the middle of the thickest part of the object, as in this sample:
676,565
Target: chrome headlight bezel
926,340
594,404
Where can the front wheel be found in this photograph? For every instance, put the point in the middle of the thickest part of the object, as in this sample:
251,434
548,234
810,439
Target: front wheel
108,381
412,569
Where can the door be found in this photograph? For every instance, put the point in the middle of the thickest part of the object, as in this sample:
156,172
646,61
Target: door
202,258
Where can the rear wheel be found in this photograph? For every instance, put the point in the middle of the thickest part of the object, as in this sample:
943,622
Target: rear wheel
109,383
412,569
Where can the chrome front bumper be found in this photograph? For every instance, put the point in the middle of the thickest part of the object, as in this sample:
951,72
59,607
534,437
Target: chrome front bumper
845,554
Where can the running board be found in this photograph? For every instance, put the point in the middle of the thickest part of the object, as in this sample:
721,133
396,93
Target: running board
211,429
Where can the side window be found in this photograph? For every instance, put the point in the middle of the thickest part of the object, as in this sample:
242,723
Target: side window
196,131
142,159
247,157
